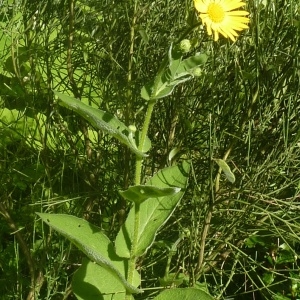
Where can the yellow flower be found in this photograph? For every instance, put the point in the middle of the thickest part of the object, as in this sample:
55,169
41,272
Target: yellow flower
220,16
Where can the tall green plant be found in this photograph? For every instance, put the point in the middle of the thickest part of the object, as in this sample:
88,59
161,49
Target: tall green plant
153,202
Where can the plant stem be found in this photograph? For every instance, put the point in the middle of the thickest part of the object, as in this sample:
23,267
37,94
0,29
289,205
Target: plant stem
138,171
139,160
132,261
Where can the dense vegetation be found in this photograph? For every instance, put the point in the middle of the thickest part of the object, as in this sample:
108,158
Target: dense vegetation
236,240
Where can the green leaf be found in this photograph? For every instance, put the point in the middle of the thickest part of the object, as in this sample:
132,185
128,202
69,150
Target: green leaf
147,90
93,282
200,286
173,279
183,294
268,278
279,296
143,34
226,169
154,212
173,153
164,89
140,193
253,240
175,59
91,241
104,121
183,70
169,76
285,256
192,62
167,87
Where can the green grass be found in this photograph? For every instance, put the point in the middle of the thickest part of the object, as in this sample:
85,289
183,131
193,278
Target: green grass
244,106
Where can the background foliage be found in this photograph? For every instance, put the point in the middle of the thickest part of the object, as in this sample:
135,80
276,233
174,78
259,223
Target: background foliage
244,108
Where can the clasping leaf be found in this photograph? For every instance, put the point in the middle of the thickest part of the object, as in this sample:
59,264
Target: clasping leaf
91,241
106,122
173,71
140,193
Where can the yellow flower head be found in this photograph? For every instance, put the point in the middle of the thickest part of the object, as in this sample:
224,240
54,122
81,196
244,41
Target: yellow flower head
220,16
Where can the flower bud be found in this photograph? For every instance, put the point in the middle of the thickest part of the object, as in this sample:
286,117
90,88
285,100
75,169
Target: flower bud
197,72
185,46
132,128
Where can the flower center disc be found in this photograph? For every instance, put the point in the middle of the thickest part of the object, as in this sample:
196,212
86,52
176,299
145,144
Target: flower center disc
216,12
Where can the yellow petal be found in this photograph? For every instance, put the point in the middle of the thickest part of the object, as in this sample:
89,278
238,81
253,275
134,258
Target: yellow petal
238,13
201,5
233,4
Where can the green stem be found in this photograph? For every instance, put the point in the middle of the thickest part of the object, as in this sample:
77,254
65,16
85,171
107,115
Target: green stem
132,261
139,160
138,176
138,172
